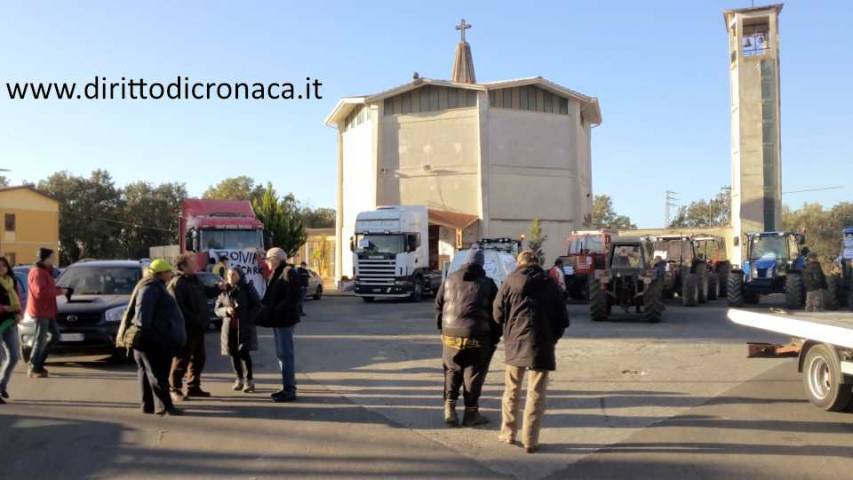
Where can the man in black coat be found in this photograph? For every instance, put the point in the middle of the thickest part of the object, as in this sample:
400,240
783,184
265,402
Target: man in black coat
532,312
191,295
469,334
815,283
280,311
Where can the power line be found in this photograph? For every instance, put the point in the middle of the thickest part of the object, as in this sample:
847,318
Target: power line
837,187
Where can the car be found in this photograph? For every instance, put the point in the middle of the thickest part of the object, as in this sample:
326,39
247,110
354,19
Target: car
89,320
315,286
210,279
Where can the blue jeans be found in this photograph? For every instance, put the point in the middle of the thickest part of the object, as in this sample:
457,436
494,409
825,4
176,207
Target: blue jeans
46,336
9,350
284,352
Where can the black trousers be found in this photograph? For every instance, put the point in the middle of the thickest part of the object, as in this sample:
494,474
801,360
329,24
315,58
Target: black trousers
153,373
466,368
241,359
189,362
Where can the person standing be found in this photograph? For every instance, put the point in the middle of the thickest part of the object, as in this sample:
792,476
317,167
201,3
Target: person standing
41,307
191,295
815,282
532,313
162,333
10,314
280,311
304,279
237,307
469,335
558,275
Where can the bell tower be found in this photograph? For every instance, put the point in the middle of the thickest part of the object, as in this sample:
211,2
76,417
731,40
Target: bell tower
753,35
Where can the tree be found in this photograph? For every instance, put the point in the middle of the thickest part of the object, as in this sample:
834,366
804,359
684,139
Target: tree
151,216
319,217
605,216
235,188
536,239
282,218
89,214
822,227
4,181
705,213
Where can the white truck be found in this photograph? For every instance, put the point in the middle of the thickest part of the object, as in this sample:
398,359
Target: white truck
821,342
395,253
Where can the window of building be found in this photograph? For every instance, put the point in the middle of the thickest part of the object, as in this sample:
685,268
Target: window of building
10,222
756,38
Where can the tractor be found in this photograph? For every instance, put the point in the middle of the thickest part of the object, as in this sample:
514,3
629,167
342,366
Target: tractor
629,280
840,281
713,250
685,271
773,263
586,254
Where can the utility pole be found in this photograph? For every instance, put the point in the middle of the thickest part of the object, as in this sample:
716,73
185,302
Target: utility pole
671,199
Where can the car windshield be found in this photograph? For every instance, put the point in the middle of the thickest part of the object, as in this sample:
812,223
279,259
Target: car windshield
586,244
92,280
231,239
627,256
378,243
767,246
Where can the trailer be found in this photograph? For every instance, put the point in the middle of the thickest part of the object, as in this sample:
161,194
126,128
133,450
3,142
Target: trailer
821,342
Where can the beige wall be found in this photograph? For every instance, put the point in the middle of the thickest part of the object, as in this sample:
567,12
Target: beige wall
36,224
447,142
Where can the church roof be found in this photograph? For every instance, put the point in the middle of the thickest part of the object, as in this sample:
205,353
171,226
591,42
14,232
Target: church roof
589,105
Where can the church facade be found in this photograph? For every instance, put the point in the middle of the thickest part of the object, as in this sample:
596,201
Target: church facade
489,157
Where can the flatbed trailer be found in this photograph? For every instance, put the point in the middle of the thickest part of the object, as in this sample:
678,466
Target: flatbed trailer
821,342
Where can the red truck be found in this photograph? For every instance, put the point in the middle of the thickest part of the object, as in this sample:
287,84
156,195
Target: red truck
587,251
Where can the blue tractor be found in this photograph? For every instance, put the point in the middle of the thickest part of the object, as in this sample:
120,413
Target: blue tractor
840,281
773,263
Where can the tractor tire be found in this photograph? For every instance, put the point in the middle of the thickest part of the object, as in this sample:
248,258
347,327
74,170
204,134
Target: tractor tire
713,286
734,289
723,271
702,273
598,308
795,293
690,290
833,298
653,306
823,380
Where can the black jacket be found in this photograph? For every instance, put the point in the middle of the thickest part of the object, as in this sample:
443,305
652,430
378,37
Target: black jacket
813,277
281,300
192,296
463,305
157,314
244,299
304,276
532,311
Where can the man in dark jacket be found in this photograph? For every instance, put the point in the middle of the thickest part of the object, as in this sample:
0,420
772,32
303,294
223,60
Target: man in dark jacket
191,295
280,311
532,312
815,283
156,314
469,334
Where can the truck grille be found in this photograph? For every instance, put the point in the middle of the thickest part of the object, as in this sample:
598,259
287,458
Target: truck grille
376,272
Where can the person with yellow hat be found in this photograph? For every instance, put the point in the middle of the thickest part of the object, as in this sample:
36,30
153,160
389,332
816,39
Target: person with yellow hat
156,315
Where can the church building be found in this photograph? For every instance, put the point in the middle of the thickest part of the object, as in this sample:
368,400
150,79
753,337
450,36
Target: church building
485,158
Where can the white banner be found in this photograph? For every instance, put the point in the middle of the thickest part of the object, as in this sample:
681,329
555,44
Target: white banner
246,261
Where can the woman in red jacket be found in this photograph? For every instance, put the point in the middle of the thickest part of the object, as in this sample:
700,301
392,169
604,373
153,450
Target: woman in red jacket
41,307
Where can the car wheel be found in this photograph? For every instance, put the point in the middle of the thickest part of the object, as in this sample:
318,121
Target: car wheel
319,293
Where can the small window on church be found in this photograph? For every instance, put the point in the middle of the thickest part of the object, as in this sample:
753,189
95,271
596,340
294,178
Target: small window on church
452,98
532,98
523,99
756,38
548,102
406,106
564,106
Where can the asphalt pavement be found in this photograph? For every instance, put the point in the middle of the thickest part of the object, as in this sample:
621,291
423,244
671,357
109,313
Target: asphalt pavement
675,400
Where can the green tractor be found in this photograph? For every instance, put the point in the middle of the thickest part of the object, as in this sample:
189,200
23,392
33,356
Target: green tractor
628,281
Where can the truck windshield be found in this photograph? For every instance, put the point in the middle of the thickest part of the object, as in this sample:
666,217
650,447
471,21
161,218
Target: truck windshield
378,243
94,280
231,240
586,244
627,256
767,246
672,250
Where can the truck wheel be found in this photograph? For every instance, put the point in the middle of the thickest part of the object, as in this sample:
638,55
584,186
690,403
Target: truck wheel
368,299
734,289
417,290
26,353
690,290
794,291
713,286
597,301
833,293
653,302
822,378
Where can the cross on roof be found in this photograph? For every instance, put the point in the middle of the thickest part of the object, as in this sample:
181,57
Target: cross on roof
462,27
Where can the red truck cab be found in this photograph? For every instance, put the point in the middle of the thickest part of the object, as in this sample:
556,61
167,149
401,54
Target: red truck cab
210,225
587,251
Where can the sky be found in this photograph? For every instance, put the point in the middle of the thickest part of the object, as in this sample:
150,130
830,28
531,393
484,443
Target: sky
659,69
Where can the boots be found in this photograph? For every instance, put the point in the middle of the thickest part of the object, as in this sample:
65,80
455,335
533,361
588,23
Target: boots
450,416
473,418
